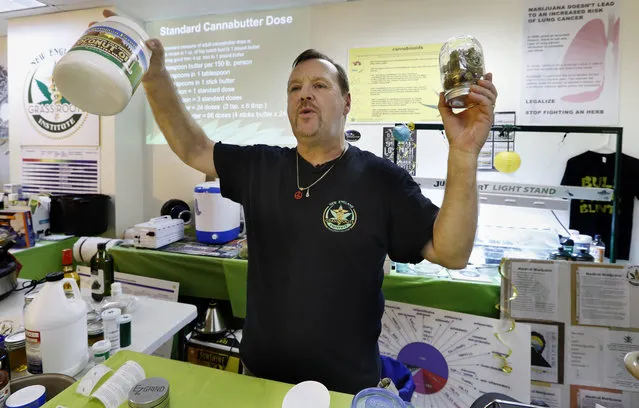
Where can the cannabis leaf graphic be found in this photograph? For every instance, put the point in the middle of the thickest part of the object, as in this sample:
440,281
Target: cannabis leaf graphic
45,91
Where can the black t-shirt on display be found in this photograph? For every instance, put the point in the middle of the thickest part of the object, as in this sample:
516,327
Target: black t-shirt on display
315,270
591,169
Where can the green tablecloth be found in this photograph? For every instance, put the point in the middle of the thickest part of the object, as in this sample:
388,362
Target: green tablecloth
197,386
218,278
43,258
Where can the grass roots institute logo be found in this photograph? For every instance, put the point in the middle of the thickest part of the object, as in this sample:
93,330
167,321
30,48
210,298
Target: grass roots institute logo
49,112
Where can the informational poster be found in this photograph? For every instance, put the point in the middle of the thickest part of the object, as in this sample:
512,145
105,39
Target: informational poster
395,84
455,358
603,297
596,397
571,62
549,394
546,352
406,151
60,170
538,295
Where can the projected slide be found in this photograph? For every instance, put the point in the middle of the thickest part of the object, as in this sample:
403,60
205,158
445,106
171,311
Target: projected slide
232,72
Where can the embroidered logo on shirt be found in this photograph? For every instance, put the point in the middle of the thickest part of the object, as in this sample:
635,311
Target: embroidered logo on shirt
339,216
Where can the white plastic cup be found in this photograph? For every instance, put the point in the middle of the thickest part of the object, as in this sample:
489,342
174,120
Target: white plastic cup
102,70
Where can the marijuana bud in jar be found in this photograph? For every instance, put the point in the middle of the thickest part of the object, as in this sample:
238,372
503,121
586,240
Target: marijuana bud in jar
461,64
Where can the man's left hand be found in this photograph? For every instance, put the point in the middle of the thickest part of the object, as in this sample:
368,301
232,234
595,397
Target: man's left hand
468,130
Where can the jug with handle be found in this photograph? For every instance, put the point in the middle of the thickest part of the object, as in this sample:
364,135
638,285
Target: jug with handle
56,329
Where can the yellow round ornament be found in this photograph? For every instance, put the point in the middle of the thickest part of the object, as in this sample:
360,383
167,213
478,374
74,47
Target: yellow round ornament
507,162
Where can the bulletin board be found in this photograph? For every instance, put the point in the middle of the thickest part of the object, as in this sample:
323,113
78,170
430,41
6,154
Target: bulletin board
584,318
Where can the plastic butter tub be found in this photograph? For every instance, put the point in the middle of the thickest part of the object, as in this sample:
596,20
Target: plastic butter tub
102,70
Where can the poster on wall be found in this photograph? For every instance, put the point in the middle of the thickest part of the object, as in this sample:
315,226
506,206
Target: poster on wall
406,151
60,170
49,118
570,63
394,84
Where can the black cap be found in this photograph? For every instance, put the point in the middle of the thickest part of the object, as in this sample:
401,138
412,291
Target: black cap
54,276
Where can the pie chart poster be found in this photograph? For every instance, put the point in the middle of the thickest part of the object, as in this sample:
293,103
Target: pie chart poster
570,63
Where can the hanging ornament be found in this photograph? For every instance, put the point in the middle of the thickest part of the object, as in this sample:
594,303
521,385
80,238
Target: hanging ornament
401,133
507,162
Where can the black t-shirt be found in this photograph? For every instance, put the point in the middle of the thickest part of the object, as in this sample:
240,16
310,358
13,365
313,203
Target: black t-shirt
591,169
315,269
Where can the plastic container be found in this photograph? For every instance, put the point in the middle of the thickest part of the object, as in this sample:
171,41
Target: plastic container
103,69
56,329
377,398
112,328
124,322
217,219
33,396
598,249
461,64
582,242
101,351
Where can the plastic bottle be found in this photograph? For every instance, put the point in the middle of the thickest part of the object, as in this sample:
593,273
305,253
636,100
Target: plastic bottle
56,329
598,249
102,273
69,270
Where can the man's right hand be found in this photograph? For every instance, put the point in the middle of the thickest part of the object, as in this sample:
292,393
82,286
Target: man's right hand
156,64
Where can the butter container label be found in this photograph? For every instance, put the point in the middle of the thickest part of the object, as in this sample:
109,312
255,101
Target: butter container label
118,48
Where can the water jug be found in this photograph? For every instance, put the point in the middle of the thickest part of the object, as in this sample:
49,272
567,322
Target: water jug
56,329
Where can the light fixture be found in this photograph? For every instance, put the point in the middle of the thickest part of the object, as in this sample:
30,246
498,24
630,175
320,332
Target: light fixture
15,5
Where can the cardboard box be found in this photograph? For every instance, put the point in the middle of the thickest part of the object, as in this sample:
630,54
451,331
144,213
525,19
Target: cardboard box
18,223
223,354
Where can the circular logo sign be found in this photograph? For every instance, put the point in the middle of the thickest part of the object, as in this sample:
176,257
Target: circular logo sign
48,111
339,216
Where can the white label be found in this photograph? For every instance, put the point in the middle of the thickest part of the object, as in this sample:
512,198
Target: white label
112,333
115,390
97,284
91,379
34,355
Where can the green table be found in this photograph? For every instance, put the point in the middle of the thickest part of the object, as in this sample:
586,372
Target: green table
43,258
218,278
197,386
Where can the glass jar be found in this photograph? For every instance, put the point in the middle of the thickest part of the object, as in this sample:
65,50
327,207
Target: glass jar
15,345
461,64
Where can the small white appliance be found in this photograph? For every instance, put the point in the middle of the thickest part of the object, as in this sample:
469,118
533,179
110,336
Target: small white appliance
158,232
217,219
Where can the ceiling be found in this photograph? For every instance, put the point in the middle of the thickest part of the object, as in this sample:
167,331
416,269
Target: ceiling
148,10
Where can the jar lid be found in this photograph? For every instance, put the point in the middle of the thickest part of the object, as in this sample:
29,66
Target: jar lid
111,314
132,24
33,395
94,328
101,346
15,341
125,318
149,393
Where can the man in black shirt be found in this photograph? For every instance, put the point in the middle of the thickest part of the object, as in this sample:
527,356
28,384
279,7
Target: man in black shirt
321,219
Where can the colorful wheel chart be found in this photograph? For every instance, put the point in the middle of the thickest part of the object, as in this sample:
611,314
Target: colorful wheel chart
428,365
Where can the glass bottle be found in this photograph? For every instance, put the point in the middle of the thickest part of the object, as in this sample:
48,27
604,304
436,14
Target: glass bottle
102,273
461,64
69,271
598,249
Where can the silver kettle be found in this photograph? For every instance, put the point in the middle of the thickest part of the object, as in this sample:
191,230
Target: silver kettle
213,322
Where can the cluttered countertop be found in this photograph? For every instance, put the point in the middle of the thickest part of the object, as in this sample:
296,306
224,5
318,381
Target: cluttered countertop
192,385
